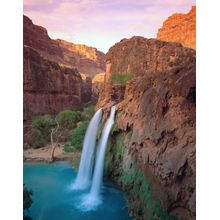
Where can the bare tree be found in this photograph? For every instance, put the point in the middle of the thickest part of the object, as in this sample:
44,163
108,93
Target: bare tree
54,131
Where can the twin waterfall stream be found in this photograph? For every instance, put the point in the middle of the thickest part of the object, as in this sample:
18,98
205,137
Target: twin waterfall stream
90,174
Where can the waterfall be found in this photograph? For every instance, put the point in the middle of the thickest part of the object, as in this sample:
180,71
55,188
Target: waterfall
93,199
84,175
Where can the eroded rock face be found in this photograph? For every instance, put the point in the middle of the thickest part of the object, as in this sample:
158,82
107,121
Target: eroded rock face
49,87
52,82
157,112
138,56
180,28
97,83
37,37
86,59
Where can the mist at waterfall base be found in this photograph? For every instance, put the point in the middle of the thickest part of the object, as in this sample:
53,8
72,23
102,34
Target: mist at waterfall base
53,198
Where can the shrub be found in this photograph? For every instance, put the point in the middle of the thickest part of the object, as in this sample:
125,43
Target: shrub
43,124
89,111
37,140
41,128
77,138
68,118
120,78
27,198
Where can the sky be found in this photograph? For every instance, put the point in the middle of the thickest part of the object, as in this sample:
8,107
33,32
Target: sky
102,23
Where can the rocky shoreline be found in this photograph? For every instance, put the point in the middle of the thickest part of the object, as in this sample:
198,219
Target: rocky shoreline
43,155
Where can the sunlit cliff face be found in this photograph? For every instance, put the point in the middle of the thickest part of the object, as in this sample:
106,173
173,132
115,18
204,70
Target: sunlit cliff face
180,28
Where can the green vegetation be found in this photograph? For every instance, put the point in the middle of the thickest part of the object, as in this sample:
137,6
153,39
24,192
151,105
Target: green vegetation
40,134
121,78
139,188
68,118
118,148
133,181
43,123
77,138
37,140
27,198
88,112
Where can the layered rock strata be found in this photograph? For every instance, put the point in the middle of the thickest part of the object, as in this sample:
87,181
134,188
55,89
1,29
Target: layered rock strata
49,87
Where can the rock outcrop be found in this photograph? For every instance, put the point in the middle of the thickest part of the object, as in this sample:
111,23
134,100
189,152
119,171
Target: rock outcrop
86,59
49,87
52,79
97,83
37,37
180,28
138,56
152,152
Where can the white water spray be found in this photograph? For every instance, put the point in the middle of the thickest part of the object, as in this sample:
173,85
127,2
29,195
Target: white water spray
93,199
84,176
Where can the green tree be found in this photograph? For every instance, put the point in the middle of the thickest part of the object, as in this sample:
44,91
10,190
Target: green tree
27,198
41,128
77,138
68,118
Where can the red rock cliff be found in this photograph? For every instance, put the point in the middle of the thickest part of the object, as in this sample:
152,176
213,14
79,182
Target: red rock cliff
49,87
138,56
51,82
157,115
86,59
180,28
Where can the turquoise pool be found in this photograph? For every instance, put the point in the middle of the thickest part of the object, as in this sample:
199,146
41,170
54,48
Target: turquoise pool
54,198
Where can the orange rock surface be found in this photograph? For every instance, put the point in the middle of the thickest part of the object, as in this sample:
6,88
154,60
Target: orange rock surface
97,83
180,28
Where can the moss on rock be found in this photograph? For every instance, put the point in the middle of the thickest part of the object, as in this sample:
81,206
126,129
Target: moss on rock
141,202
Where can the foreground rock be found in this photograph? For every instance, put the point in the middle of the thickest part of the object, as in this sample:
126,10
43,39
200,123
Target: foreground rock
180,28
152,149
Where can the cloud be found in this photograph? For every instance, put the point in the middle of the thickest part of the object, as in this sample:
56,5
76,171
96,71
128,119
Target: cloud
102,22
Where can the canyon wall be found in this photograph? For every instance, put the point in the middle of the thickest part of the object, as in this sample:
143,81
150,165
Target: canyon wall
97,83
52,80
87,60
49,87
152,146
180,28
